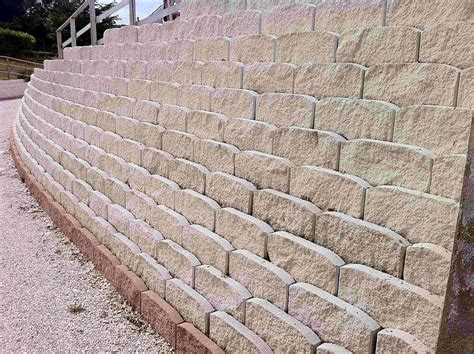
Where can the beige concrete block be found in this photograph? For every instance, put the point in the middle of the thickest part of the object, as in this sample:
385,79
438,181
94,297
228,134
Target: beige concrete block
133,69
249,270
130,151
381,163
358,241
292,18
339,16
308,147
108,142
81,190
119,87
146,111
215,156
266,4
196,208
195,97
234,103
240,23
161,190
356,118
159,70
317,47
417,216
284,212
149,135
99,203
119,217
181,49
186,72
281,331
212,49
230,191
206,125
253,48
179,144
285,110
116,190
194,8
223,293
125,250
465,92
223,74
203,26
379,45
442,130
168,222
156,161
144,236
126,127
154,51
188,175
179,262
173,117
409,84
390,340
84,215
329,80
248,134
233,336
306,261
139,204
367,289
153,274
264,170
164,92
427,266
192,306
106,121
447,176
331,318
139,89
425,13
329,348
172,29
208,247
329,190
96,178
269,77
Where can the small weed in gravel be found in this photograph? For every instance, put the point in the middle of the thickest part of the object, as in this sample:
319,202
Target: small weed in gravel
76,308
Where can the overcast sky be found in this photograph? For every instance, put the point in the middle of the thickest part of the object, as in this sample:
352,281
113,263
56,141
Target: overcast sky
144,8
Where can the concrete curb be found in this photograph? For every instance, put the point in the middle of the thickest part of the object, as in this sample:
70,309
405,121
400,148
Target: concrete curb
167,322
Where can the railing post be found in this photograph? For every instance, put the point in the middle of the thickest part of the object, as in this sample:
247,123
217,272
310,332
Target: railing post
73,32
59,40
8,68
132,10
93,22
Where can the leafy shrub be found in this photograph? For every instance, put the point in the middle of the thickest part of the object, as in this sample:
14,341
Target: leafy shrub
15,43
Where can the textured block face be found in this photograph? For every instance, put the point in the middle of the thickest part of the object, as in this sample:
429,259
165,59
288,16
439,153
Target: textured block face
190,304
206,26
285,110
306,48
416,216
188,175
240,23
230,191
263,170
173,117
288,19
179,262
329,190
465,93
356,118
196,208
144,236
232,336
249,49
365,288
164,92
448,176
181,50
269,77
224,293
234,103
427,266
381,163
215,156
212,49
409,84
208,247
186,72
284,212
334,320
329,348
308,147
242,230
206,125
442,130
249,269
169,223
329,80
195,97
391,340
304,260
249,135
379,45
223,74
178,144
278,329
358,241
161,190
156,161
153,274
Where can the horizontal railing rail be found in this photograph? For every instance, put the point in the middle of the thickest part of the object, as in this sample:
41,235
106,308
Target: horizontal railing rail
10,66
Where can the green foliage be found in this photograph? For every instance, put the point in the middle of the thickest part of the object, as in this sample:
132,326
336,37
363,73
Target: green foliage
15,43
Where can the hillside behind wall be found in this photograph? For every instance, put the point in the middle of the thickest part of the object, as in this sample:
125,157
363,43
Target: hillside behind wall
285,174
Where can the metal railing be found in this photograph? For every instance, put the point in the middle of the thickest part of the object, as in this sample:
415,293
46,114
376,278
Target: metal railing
11,67
164,12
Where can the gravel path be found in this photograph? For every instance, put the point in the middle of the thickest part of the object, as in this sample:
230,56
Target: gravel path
51,298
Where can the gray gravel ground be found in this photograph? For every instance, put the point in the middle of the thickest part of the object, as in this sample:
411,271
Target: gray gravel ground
51,298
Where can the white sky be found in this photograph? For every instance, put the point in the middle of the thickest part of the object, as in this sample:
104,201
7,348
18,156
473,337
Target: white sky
144,8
